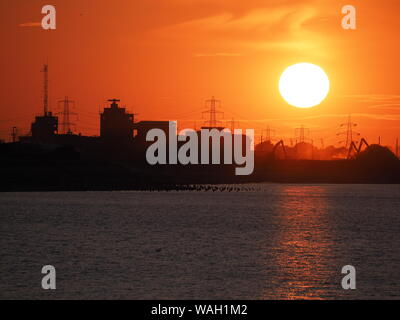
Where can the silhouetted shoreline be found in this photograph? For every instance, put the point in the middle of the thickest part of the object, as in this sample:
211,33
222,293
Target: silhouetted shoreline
63,170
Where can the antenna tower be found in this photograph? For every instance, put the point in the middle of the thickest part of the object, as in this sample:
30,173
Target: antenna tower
14,134
45,71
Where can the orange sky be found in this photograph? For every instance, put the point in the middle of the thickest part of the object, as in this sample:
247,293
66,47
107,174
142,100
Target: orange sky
163,58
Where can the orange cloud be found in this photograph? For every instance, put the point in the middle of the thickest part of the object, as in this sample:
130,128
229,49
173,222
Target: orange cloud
218,54
30,24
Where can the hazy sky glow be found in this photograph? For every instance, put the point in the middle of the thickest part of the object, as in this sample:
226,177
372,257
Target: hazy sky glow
164,58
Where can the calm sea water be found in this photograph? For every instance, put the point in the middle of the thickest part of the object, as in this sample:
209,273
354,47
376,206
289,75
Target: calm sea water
280,241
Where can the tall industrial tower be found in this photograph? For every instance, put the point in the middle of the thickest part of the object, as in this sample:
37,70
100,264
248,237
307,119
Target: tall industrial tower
233,124
348,132
14,134
46,126
66,123
268,134
302,134
213,122
45,89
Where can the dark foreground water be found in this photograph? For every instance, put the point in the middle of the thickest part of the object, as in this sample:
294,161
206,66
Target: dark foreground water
281,241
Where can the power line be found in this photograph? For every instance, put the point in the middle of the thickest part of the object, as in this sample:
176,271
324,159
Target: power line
232,123
66,124
349,132
213,122
268,134
302,134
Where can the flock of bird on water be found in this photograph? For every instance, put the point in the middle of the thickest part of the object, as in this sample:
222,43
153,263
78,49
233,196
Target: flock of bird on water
203,188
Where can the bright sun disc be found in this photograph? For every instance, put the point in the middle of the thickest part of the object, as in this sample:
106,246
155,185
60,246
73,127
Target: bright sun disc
304,85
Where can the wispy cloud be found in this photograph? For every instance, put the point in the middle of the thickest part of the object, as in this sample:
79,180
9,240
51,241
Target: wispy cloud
374,97
387,106
378,101
375,116
274,28
218,54
30,24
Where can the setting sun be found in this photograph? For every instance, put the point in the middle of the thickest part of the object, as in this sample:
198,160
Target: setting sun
304,85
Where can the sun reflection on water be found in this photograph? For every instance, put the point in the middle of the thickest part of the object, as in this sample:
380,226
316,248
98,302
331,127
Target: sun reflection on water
303,248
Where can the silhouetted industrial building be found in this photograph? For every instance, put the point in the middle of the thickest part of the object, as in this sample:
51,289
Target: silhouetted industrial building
116,124
143,127
44,128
